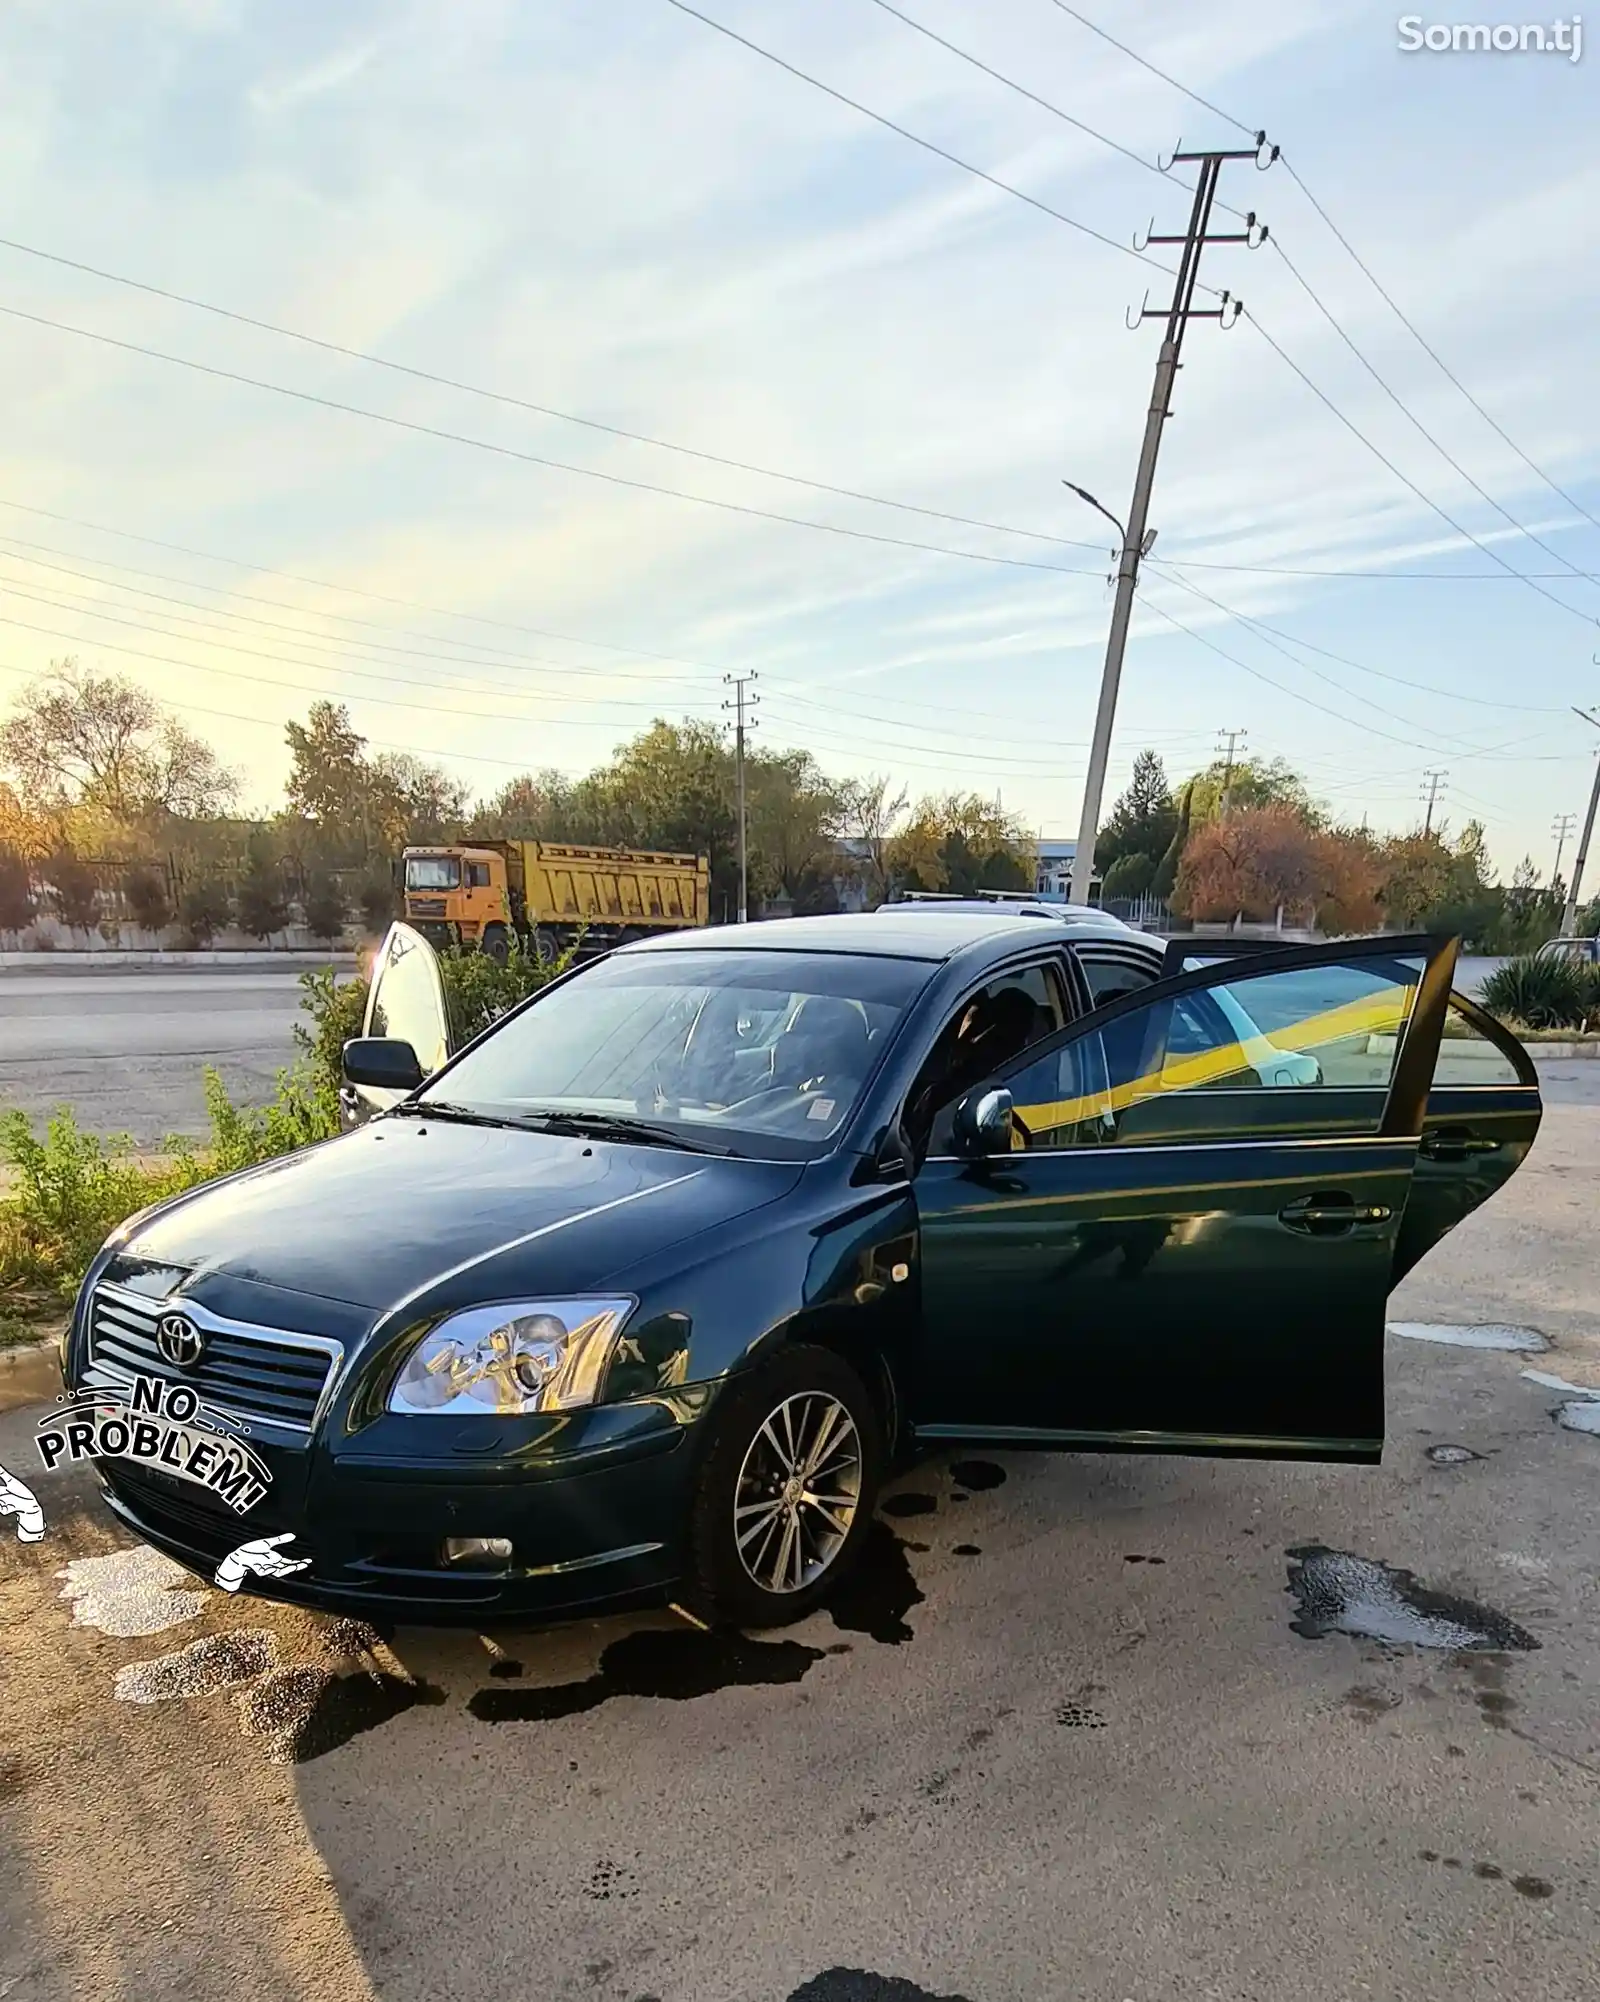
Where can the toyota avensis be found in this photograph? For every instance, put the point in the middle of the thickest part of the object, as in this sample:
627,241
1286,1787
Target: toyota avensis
638,1294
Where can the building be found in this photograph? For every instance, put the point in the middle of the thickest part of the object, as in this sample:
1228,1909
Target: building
1053,882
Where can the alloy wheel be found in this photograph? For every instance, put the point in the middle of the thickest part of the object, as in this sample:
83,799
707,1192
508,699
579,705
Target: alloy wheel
798,1491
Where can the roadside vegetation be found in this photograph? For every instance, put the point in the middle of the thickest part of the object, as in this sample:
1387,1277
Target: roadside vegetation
1531,992
68,1190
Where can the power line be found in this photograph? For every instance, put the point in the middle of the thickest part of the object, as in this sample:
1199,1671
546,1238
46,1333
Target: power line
325,643
1145,63
523,403
536,458
1405,410
1164,568
1434,355
927,145
1043,103
1406,481
1433,785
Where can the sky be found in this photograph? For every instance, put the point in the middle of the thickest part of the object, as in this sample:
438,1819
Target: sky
612,211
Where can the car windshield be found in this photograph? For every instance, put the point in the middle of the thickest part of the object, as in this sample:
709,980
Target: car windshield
432,872
762,1053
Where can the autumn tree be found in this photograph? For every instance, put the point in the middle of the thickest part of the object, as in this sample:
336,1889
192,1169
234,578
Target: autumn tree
1250,865
102,743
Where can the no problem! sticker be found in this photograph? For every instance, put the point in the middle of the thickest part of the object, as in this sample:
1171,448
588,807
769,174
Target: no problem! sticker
158,1424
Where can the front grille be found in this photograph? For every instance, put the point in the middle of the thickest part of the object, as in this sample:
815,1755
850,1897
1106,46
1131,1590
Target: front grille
261,1375
188,1515
425,907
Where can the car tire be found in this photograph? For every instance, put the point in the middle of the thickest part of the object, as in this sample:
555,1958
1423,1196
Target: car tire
776,1413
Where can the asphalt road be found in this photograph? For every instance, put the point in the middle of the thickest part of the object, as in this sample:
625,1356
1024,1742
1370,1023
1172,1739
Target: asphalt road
1066,1743
125,1050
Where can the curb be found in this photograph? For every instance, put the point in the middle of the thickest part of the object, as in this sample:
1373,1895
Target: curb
123,962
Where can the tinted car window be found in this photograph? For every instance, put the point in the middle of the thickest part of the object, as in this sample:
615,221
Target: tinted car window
764,1052
1206,1064
986,1031
1107,978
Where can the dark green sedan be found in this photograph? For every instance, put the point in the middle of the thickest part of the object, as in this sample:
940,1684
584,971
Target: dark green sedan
639,1294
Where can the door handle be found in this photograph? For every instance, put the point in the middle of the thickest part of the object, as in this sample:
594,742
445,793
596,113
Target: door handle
1448,1146
1331,1213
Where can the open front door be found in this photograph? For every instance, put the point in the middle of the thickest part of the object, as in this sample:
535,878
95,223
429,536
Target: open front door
1189,1244
406,1000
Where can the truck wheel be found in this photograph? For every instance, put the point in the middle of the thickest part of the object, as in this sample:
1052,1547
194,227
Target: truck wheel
786,1491
496,944
546,944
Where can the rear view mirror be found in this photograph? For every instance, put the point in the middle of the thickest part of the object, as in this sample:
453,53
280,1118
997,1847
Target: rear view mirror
383,1062
982,1123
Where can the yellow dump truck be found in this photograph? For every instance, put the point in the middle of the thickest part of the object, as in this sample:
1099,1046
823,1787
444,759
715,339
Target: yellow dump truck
485,893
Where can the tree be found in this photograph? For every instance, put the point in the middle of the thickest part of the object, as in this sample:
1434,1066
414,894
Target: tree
1166,876
963,843
1349,876
324,907
1417,877
360,806
263,906
146,892
869,812
1253,782
104,743
377,902
204,909
1143,820
74,890
1250,864
1129,876
16,893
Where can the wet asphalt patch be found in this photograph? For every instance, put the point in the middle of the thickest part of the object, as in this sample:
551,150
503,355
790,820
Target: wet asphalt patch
674,1666
908,1504
1536,1888
875,1599
218,1661
304,1712
854,1984
1339,1592
977,1475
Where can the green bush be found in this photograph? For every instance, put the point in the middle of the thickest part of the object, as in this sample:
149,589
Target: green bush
204,910
69,1191
479,991
324,908
1544,993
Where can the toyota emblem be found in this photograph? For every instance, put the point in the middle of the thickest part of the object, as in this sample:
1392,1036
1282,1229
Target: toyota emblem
179,1340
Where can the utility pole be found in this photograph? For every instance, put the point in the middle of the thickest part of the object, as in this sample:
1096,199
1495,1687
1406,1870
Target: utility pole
1135,543
1563,826
1234,739
1434,782
1569,916
740,703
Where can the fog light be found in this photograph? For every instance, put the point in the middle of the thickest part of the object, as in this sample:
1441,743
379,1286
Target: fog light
484,1553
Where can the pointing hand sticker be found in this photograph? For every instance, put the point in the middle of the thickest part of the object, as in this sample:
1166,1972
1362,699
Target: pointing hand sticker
17,1499
261,1559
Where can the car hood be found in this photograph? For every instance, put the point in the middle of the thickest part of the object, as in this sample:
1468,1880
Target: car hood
410,1207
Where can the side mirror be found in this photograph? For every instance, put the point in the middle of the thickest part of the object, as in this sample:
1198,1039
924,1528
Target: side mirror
982,1123
383,1062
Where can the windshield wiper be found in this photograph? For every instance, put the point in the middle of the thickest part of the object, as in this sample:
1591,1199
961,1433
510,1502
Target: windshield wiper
618,1126
447,1108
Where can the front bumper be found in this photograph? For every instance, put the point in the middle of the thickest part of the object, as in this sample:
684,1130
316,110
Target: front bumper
597,1528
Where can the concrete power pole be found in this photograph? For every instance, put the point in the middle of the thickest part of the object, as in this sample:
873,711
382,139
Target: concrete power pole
1562,826
740,703
1135,543
1569,916
1435,785
1229,750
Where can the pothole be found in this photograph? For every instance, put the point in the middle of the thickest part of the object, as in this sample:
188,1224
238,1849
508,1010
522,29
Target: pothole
1341,1593
1472,1335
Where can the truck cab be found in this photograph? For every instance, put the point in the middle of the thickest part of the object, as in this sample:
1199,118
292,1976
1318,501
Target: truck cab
453,894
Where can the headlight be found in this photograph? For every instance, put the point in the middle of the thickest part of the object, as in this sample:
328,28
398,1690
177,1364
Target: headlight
515,1358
